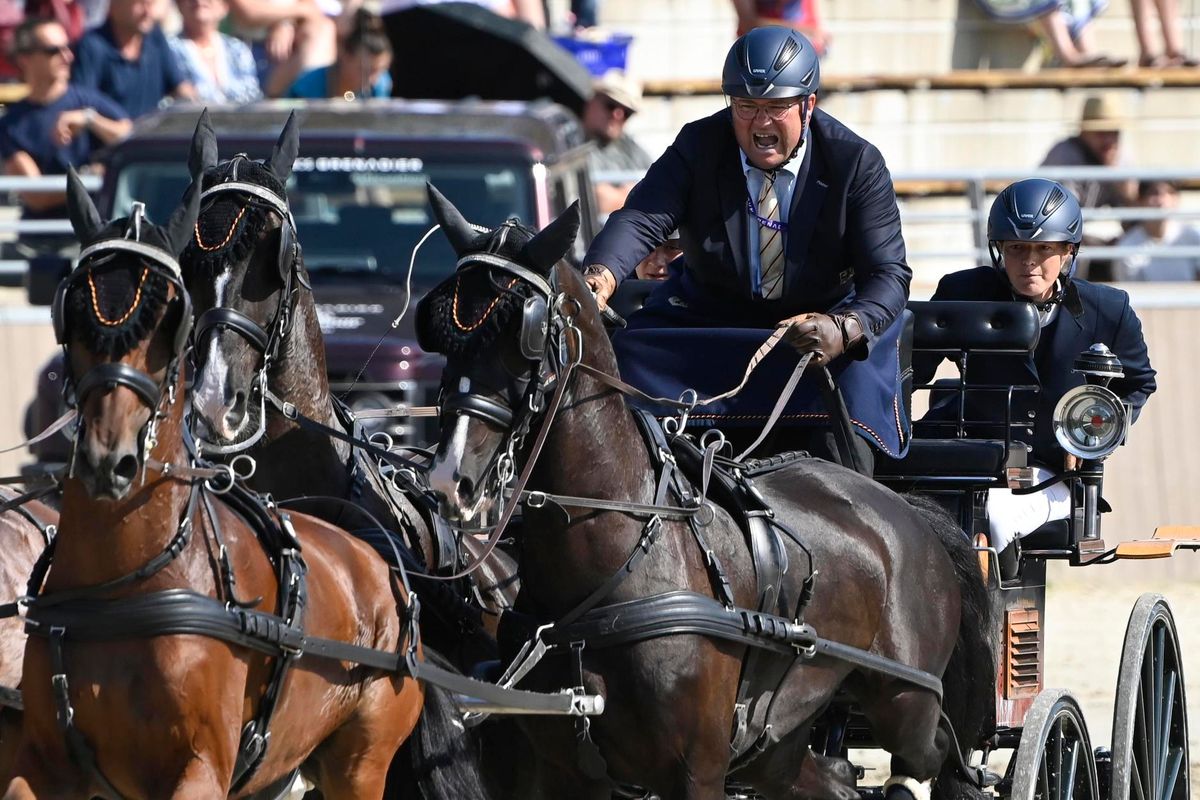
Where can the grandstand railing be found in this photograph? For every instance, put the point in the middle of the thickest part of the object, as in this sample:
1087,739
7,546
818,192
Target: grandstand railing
977,187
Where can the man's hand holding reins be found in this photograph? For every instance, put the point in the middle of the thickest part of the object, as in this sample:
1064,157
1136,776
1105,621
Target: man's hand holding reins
826,335
602,283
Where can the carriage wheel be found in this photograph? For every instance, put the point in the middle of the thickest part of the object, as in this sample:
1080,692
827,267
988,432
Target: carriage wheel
1054,760
1150,736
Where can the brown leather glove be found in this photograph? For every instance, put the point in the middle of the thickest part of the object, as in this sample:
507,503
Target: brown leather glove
826,335
601,281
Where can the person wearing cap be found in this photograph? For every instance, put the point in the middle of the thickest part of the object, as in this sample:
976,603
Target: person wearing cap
1035,229
787,218
616,97
657,266
1098,144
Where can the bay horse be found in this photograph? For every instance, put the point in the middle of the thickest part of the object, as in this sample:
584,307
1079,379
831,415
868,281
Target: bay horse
258,329
156,667
527,354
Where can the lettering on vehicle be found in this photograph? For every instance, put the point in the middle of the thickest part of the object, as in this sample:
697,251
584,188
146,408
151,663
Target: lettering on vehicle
345,316
357,164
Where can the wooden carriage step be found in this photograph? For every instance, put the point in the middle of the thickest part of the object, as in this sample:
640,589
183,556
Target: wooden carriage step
1163,544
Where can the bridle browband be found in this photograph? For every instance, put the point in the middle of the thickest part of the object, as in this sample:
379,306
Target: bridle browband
110,375
265,341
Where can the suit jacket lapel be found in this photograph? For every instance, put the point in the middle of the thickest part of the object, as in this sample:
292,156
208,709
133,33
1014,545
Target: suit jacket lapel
731,188
808,195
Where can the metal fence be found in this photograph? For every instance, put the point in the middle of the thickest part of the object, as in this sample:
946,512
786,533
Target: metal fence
976,190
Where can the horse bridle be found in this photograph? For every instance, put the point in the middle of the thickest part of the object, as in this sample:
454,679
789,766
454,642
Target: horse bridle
267,341
546,320
109,375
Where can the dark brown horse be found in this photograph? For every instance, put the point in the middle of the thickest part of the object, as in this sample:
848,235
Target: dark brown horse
258,329
25,531
894,579
124,698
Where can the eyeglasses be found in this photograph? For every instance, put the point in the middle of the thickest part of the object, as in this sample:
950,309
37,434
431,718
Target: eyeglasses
51,50
748,111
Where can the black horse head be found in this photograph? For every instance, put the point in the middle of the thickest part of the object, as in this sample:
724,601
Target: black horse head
243,268
123,318
493,321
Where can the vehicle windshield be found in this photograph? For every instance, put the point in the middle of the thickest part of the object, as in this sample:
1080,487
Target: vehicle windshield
365,214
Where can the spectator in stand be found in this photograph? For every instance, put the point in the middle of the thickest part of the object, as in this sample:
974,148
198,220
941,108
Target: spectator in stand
616,97
1066,29
799,14
584,14
287,37
531,11
128,59
1172,34
57,125
1096,145
219,66
1159,233
362,66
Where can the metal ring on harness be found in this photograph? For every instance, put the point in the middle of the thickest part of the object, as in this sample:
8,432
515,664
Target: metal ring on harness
230,476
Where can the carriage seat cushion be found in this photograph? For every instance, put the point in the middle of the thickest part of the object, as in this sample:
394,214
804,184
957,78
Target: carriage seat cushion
977,459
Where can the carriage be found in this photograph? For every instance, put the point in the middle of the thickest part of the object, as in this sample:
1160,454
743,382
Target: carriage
1054,756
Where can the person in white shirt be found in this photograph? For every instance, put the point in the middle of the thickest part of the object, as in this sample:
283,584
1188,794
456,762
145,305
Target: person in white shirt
1158,233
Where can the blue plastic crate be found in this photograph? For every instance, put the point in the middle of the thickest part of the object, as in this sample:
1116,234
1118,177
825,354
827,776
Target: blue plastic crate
598,56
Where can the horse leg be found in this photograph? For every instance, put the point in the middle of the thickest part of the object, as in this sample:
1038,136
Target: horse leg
790,770
906,723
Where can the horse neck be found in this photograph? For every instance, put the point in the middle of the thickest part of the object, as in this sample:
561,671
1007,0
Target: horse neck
100,540
309,462
594,448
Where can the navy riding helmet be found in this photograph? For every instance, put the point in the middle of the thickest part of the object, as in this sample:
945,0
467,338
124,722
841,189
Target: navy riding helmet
771,62
1035,210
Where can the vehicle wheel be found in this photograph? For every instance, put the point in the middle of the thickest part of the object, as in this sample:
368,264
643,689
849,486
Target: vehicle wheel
1054,760
1150,735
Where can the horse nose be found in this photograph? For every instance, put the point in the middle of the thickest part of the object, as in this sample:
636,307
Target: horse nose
113,474
235,414
450,486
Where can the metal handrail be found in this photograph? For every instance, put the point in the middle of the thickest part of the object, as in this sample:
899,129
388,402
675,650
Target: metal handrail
45,183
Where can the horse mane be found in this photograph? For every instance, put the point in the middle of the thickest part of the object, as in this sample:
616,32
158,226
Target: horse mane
229,226
468,311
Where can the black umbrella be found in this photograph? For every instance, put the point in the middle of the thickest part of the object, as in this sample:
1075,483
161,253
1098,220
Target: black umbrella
448,51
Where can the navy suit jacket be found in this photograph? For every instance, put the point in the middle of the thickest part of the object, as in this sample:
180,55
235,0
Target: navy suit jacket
1090,313
844,249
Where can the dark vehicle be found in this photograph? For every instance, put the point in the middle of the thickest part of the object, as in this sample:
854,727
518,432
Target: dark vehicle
358,196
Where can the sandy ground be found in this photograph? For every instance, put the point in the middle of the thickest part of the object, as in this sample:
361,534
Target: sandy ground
1085,628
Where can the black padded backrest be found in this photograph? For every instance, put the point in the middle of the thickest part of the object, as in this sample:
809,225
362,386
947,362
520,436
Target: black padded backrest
956,325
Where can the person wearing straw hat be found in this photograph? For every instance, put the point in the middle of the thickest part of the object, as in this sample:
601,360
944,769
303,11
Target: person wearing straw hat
1096,145
616,97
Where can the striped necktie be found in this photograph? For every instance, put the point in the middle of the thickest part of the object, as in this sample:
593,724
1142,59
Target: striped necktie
770,239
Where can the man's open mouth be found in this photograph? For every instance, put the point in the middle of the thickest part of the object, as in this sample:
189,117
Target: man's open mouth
766,141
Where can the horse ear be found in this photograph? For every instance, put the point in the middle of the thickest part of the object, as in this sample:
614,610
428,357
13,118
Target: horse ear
204,147
286,149
85,219
460,232
548,246
180,227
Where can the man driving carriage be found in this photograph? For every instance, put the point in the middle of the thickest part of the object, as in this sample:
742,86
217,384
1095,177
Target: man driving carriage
786,218
1034,231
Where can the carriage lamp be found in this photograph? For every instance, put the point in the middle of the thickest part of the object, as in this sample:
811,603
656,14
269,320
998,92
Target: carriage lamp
1090,422
1099,365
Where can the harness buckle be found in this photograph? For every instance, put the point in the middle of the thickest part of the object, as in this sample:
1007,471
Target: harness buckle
289,410
536,500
